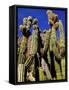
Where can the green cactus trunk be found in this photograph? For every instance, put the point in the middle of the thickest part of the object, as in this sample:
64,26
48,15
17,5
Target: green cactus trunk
56,53
46,41
22,50
42,77
21,71
63,66
62,38
62,44
34,42
21,60
53,42
58,70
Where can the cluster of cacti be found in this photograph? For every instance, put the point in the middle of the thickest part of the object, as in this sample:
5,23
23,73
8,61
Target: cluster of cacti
40,56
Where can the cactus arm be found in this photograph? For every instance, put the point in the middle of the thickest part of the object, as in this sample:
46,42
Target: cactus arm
62,45
34,42
46,41
53,46
62,38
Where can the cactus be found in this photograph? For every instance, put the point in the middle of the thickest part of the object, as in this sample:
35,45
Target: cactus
62,38
42,77
46,70
40,54
46,40
63,68
35,39
21,58
21,71
35,21
53,42
57,53
52,18
62,48
58,70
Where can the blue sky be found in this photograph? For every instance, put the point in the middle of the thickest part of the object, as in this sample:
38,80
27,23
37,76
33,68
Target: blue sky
41,15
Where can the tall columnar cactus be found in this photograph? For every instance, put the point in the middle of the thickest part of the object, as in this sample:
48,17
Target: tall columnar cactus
53,46
44,64
22,50
62,38
62,48
46,40
21,58
56,53
61,52
34,45
35,39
